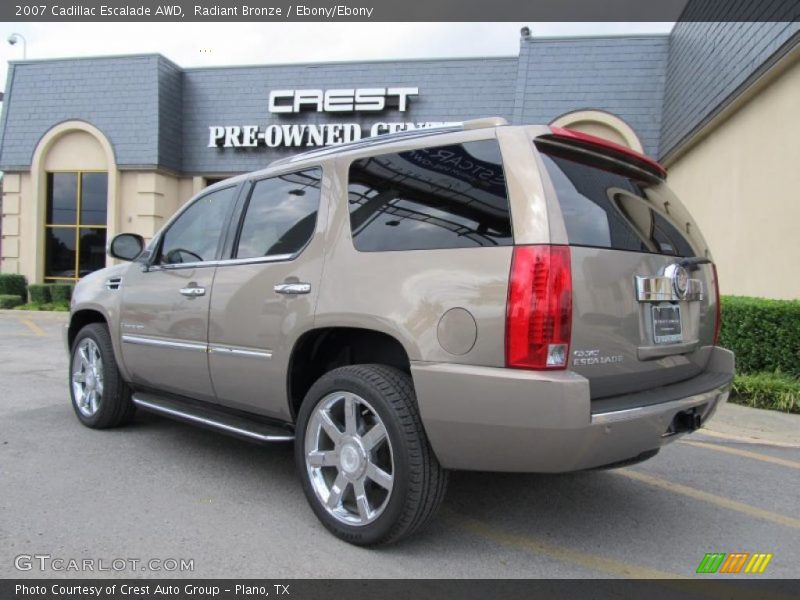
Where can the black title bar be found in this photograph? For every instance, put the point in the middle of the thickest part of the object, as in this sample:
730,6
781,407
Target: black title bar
397,589
395,10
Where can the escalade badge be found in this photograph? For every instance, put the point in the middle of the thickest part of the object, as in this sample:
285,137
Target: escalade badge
586,358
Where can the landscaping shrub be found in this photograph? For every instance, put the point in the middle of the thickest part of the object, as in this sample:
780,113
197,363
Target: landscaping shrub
40,294
49,306
10,300
61,293
14,285
764,334
767,390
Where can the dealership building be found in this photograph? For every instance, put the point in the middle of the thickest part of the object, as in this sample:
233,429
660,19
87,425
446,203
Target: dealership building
91,147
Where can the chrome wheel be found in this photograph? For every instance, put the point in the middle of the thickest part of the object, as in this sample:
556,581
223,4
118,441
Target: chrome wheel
87,377
349,458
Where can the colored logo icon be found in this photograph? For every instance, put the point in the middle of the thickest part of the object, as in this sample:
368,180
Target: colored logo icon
735,562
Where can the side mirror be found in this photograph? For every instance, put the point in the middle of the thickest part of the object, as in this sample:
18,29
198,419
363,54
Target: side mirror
126,246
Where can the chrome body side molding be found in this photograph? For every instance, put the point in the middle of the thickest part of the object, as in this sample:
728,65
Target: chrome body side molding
160,343
236,351
197,347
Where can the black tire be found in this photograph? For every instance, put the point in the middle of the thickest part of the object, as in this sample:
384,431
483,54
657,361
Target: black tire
419,481
115,405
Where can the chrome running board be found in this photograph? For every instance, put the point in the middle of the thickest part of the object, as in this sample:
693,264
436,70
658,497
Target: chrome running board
211,418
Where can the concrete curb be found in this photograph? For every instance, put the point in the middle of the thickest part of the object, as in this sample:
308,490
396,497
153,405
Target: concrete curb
39,313
755,426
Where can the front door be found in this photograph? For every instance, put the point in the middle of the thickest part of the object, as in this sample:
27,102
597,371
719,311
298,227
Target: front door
264,296
164,309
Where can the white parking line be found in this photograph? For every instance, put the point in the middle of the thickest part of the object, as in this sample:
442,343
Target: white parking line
746,440
720,501
784,462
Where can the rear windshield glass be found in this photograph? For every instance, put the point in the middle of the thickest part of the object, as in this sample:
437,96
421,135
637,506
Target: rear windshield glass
430,198
605,208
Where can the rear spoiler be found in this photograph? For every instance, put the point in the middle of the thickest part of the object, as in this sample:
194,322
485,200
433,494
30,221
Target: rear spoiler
617,151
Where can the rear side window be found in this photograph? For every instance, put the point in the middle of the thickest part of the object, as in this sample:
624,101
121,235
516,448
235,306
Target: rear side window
442,197
280,215
606,208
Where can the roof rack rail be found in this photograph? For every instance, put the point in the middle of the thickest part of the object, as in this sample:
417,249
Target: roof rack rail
484,123
385,138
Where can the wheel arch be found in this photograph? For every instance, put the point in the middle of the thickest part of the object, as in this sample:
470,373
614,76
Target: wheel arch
80,319
323,349
93,313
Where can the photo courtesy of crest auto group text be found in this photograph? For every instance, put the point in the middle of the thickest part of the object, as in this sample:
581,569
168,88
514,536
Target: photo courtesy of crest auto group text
397,300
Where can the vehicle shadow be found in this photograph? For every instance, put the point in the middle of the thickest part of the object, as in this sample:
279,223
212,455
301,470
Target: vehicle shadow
589,509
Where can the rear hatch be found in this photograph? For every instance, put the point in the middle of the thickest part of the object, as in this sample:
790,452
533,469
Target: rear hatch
644,298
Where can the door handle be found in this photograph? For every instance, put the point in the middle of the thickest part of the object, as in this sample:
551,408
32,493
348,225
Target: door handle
193,292
292,289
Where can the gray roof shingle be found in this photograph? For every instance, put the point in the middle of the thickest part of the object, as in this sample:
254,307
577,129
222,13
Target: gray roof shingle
156,114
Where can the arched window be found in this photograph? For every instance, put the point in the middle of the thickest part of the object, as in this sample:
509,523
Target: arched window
75,172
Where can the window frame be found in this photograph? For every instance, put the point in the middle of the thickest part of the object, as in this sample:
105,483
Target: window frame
153,257
76,227
460,140
237,223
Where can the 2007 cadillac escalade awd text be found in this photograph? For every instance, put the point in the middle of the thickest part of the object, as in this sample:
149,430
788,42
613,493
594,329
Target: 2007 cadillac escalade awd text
483,297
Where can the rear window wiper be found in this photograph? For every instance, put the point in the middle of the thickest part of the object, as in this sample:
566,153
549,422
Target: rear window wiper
694,262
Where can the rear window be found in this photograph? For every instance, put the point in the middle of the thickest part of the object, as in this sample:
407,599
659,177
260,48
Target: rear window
431,198
606,208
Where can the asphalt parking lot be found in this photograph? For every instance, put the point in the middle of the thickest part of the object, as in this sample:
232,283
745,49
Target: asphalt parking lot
160,489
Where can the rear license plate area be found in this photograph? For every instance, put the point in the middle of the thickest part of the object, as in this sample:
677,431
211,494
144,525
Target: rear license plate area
667,324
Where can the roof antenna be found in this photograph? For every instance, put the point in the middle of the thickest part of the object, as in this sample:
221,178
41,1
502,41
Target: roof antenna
525,33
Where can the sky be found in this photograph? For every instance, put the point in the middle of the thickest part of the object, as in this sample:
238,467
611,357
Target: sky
218,44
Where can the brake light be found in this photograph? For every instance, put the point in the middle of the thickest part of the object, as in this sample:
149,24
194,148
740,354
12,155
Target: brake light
539,310
585,139
718,316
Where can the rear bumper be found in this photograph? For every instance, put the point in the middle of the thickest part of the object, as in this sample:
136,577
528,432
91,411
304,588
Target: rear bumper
494,419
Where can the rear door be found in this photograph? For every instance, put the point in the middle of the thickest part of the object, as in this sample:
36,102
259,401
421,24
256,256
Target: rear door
265,293
640,320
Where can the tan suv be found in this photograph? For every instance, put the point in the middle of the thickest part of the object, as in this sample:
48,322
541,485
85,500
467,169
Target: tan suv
483,297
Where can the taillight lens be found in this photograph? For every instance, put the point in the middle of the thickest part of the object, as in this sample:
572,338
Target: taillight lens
718,316
539,311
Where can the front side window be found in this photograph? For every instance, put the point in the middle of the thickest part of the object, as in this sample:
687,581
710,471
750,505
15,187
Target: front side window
281,215
431,198
75,227
194,235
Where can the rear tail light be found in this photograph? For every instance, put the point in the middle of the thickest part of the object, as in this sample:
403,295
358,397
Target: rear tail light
539,311
718,316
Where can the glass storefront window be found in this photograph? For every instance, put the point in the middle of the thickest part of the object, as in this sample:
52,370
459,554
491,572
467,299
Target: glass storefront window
62,198
60,253
94,197
76,224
